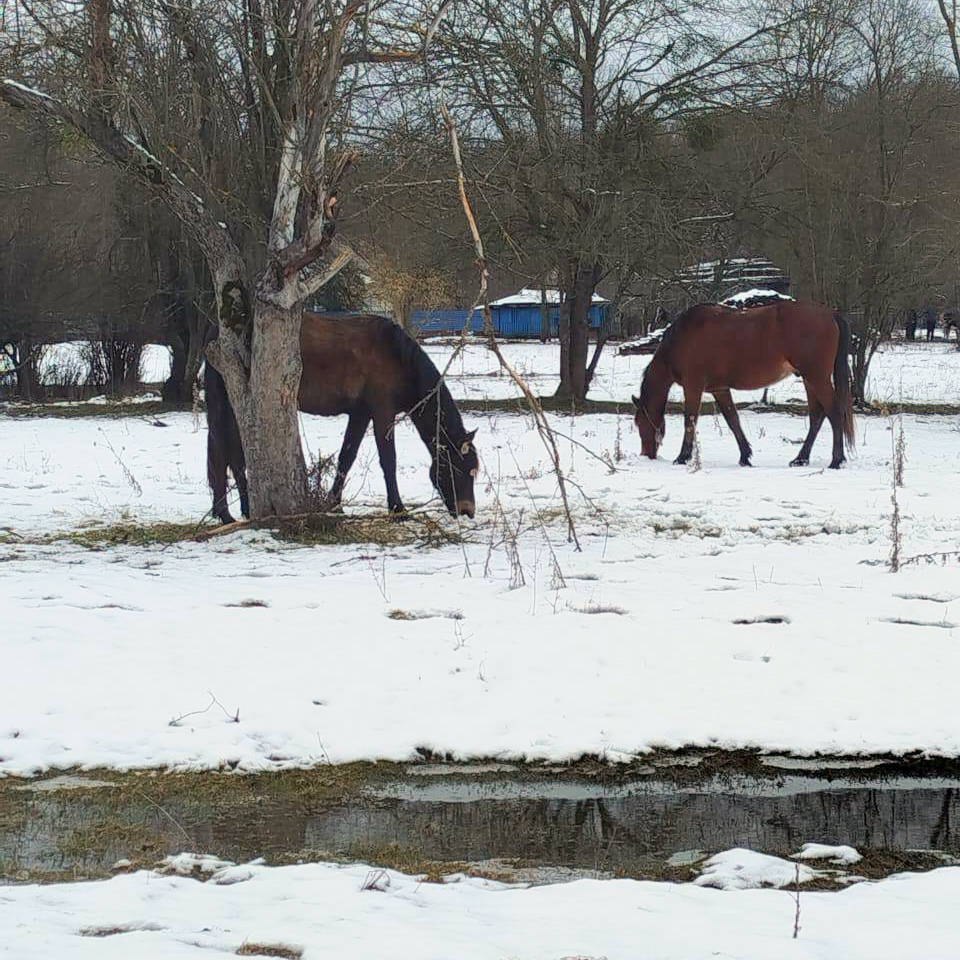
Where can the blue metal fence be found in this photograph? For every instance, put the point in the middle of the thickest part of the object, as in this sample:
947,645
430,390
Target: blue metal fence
525,320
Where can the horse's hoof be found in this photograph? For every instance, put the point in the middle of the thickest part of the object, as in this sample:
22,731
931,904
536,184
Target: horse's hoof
799,462
681,460
745,463
399,514
836,464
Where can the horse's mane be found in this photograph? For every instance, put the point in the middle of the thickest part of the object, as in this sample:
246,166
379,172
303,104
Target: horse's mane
427,387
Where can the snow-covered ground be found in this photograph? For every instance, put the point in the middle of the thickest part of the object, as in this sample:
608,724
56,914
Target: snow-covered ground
908,372
68,357
915,373
713,606
644,639
318,911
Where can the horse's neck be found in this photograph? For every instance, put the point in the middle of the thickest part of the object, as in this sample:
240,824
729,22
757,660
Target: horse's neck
659,380
428,419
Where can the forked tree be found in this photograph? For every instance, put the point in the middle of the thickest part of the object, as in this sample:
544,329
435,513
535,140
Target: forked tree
232,114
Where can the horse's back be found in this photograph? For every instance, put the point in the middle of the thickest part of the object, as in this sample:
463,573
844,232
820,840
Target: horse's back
347,362
751,348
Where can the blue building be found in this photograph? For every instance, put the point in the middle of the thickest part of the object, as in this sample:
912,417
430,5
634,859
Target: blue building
515,316
519,315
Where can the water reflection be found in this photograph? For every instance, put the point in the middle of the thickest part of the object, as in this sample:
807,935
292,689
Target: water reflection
627,827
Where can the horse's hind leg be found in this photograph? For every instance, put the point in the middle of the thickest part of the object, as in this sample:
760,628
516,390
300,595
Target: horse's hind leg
217,477
729,411
817,414
383,428
238,468
356,428
829,405
691,411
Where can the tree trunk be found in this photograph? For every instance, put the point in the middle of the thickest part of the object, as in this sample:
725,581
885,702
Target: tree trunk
579,343
574,339
187,335
27,361
603,335
174,387
544,315
563,335
266,408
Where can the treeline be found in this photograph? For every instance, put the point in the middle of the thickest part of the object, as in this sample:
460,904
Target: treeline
606,145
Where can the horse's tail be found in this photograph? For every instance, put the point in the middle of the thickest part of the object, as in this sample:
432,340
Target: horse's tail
224,448
841,380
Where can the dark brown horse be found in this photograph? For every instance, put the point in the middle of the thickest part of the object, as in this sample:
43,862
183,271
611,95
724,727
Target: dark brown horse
715,349
369,369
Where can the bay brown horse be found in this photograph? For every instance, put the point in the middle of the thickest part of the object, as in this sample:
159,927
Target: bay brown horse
369,369
715,349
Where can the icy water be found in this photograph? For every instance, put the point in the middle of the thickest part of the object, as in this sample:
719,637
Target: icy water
644,826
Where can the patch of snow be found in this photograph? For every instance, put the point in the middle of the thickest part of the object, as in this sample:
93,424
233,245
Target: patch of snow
25,88
529,296
191,864
324,910
842,855
747,295
741,869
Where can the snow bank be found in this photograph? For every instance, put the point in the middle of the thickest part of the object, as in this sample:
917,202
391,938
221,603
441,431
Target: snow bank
741,869
318,911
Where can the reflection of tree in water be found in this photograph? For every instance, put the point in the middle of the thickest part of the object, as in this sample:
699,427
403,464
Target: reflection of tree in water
606,834
596,833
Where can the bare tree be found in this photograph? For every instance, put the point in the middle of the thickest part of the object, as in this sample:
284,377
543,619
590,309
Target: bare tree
228,114
573,99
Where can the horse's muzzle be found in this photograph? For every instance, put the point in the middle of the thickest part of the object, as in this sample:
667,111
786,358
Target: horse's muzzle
466,508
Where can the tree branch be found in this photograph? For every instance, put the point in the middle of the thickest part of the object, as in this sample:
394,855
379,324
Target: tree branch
221,252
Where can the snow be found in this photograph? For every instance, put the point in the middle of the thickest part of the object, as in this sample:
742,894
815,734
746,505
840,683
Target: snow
353,912
741,869
31,90
842,855
746,295
657,639
529,296
154,363
915,373
718,607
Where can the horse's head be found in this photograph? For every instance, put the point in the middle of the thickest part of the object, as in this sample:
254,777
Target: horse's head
452,472
652,428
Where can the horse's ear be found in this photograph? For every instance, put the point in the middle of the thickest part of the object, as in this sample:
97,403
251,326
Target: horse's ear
636,401
469,435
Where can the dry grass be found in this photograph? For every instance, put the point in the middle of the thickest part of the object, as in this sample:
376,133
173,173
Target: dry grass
599,608
320,529
270,950
399,614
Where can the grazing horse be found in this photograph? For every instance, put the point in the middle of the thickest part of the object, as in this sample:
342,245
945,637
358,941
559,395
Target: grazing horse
369,369
715,349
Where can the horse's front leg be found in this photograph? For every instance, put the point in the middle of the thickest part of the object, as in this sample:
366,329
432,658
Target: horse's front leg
691,411
383,430
729,410
356,428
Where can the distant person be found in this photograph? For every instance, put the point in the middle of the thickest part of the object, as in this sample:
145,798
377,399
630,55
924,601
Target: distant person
929,317
912,325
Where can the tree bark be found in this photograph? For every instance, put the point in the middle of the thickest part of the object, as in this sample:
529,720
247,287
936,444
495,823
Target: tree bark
575,335
544,315
267,413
